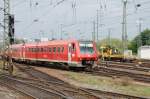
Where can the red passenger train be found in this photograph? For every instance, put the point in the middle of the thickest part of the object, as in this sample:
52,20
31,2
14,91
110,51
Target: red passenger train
73,53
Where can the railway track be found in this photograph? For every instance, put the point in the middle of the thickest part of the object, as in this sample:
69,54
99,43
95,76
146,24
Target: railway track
33,91
31,72
129,66
100,70
117,72
45,81
111,95
46,90
24,95
67,90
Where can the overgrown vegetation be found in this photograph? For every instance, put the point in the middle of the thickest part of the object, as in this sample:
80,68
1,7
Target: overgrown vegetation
125,85
141,39
112,43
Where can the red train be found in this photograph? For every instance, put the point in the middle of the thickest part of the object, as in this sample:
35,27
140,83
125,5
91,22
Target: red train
73,53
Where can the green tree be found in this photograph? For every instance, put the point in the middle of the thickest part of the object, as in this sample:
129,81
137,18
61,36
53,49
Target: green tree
142,39
112,43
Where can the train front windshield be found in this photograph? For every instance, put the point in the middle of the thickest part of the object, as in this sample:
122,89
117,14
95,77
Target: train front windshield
86,48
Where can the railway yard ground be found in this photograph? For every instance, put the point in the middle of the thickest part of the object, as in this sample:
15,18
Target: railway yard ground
6,93
74,49
124,85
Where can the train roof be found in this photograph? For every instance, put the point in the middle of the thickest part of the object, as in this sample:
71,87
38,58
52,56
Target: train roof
56,42
53,42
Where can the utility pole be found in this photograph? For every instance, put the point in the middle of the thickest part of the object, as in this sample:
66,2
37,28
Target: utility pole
61,26
124,27
139,25
109,38
97,24
93,34
140,30
6,22
7,37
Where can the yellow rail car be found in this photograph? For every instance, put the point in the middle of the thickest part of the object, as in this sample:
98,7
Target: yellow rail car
112,54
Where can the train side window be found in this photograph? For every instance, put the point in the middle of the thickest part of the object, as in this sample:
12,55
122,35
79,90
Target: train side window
41,49
32,49
58,49
62,50
37,49
54,49
50,49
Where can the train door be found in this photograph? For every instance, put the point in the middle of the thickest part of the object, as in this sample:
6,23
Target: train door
20,52
23,52
73,52
69,53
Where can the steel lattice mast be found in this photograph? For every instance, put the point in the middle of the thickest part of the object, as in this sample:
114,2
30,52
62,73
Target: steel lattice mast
124,27
6,23
7,61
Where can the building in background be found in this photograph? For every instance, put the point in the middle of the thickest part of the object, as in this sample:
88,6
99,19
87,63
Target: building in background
144,52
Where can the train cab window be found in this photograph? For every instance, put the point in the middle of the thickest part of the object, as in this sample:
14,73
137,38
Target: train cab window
86,47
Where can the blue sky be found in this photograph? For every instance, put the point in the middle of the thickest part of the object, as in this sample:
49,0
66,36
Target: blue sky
43,18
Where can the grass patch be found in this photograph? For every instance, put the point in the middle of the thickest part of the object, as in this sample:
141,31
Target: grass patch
125,85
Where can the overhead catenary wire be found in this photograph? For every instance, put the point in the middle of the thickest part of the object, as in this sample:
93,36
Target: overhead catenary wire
48,9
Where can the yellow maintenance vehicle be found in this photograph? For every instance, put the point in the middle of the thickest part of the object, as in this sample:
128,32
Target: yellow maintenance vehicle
111,54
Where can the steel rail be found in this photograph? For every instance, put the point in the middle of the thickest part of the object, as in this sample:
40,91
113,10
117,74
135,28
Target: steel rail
59,86
35,91
111,72
129,67
113,95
